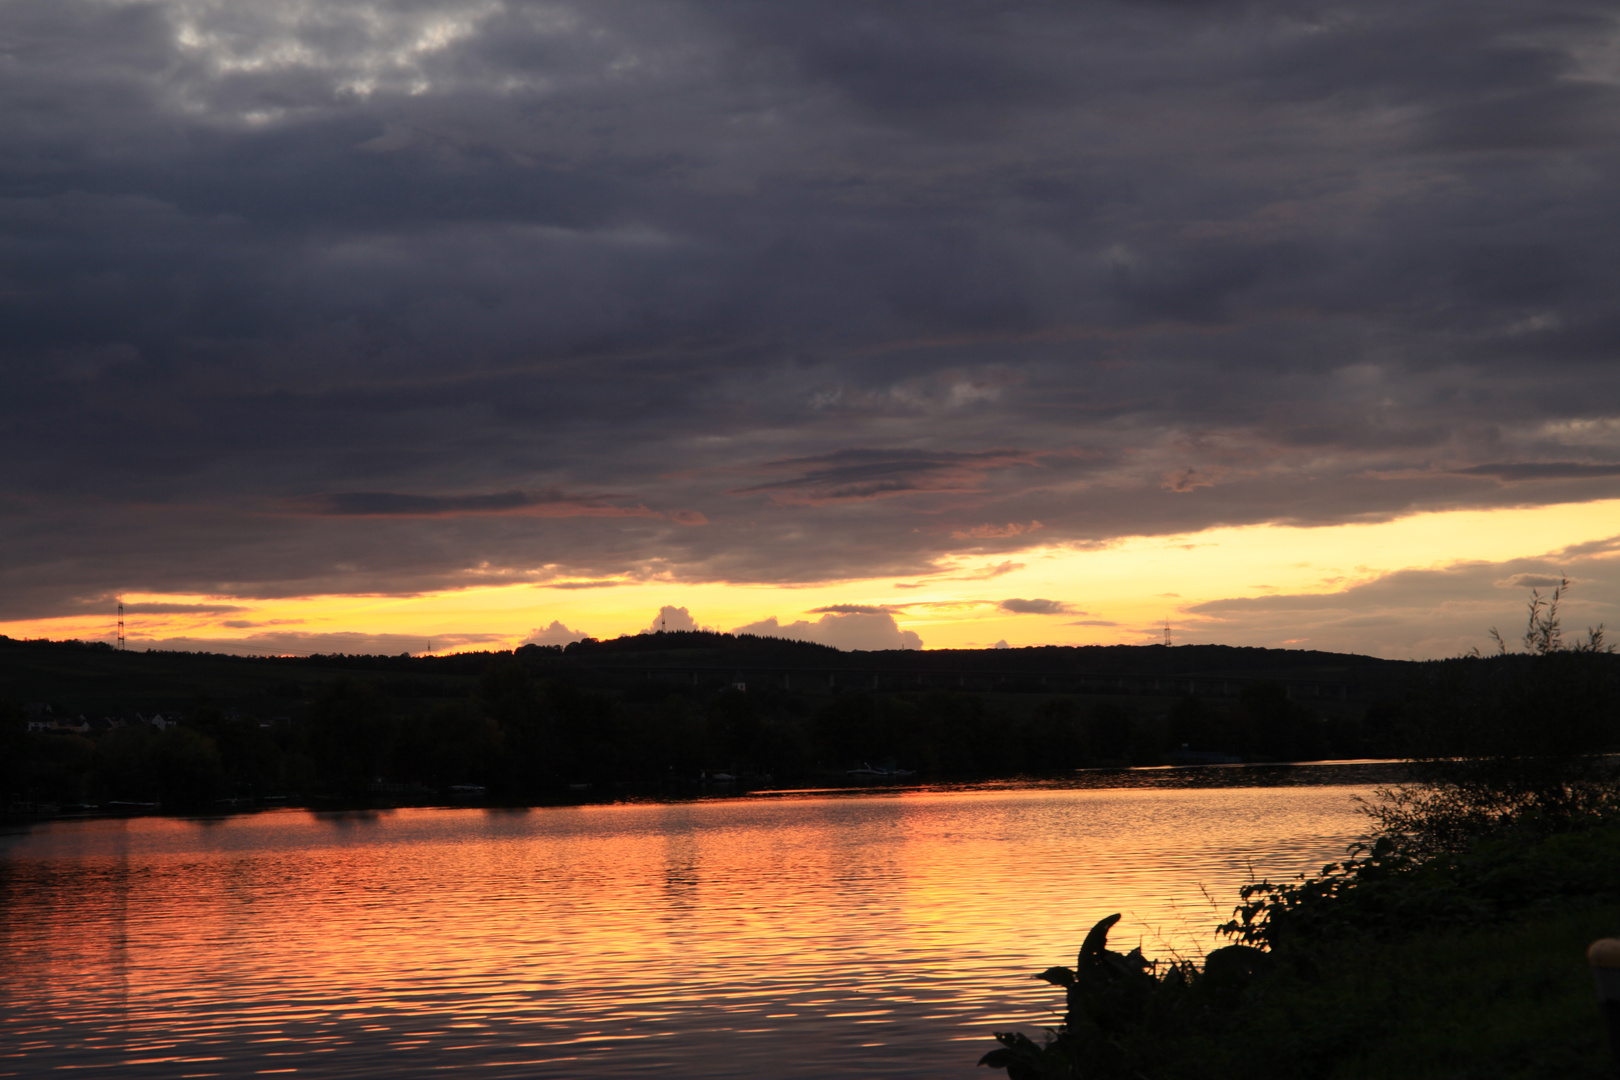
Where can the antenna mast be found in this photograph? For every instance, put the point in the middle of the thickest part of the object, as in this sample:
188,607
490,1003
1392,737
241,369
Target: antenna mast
120,624
1167,633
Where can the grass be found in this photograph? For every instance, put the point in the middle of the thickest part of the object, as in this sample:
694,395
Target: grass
1504,1002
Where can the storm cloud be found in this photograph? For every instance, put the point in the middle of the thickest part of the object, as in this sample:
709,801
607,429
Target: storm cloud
384,298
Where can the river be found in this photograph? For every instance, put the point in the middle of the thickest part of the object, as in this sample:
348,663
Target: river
811,934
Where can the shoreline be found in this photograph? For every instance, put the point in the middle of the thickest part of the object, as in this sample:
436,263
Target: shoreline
1269,774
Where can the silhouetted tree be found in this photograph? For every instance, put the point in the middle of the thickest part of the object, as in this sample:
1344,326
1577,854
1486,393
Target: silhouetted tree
350,735
1056,736
13,751
1197,726
1519,736
1110,731
1278,727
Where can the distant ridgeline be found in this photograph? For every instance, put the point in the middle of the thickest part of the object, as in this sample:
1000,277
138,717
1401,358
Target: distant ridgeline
92,675
88,724
1077,668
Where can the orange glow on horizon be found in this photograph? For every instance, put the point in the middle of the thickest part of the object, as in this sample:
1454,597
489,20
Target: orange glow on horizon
1118,593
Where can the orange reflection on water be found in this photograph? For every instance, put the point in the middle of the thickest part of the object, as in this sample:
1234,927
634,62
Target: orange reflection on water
864,936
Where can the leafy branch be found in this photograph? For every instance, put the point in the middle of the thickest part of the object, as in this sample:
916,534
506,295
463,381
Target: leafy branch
1542,632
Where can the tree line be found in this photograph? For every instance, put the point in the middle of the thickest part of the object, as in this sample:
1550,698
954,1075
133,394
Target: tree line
525,736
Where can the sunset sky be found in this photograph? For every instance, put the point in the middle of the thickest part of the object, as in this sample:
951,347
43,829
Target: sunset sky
346,326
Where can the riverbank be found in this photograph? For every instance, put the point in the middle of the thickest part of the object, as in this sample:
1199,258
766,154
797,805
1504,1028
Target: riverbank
1368,771
1511,1001
1469,964
81,724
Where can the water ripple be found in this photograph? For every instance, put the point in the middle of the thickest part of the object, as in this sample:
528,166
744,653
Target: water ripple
793,936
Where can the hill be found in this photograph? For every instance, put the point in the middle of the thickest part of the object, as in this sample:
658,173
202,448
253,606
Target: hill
94,679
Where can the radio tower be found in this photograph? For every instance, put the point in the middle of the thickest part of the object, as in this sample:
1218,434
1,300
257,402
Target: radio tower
120,625
1167,633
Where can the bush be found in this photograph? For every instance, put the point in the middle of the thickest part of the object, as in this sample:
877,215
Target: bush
1469,969
1447,945
1515,738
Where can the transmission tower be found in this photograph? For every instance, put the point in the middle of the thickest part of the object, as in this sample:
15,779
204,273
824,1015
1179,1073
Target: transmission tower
120,625
1167,633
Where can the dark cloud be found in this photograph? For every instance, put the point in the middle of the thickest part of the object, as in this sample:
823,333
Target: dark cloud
1550,470
870,474
1037,607
1531,581
1421,612
289,643
996,532
538,503
411,297
151,608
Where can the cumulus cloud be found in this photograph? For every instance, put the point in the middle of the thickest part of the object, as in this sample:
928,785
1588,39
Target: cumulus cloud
868,629
672,619
1016,606
555,634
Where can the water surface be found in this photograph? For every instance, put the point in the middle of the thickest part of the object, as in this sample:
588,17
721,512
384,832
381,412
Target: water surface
873,935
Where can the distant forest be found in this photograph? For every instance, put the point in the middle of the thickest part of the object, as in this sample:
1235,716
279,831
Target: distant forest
85,725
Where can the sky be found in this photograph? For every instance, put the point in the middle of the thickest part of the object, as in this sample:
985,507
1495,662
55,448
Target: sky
347,326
